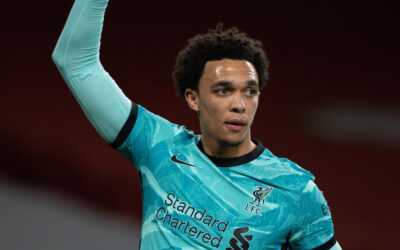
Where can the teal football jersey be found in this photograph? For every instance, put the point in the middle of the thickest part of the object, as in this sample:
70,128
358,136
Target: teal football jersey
195,201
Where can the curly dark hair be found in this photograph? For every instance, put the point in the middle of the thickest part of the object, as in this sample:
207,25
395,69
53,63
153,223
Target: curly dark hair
217,44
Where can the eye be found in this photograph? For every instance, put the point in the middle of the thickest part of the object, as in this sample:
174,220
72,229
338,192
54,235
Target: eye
221,91
251,92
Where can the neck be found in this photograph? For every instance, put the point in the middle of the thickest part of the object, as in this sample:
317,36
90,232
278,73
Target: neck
218,149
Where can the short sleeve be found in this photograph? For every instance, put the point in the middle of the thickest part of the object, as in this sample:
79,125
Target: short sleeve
142,130
314,226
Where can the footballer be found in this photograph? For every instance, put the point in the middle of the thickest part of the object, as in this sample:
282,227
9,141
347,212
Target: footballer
221,189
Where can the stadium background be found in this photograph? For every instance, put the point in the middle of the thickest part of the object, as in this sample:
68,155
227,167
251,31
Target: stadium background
332,106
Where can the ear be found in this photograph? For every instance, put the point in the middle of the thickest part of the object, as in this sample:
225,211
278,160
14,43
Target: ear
192,99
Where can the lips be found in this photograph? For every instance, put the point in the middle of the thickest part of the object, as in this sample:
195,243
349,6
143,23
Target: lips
236,124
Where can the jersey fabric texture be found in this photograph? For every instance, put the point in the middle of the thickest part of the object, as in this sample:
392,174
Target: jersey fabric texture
194,201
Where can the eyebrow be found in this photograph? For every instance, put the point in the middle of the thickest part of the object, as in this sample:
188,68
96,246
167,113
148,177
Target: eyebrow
252,83
249,83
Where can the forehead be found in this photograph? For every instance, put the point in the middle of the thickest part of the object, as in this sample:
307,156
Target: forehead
229,70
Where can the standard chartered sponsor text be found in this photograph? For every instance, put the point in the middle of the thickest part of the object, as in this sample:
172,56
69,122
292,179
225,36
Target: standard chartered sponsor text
191,227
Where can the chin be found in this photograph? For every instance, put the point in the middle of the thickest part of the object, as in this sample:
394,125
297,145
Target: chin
231,142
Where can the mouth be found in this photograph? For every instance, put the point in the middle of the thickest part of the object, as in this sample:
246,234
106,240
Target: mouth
235,125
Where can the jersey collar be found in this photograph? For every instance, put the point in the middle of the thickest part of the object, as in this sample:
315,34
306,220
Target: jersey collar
235,161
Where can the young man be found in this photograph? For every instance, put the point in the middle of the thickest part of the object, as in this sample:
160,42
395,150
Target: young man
218,190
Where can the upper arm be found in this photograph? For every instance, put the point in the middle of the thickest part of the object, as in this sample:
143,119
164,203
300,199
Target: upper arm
314,226
142,133
102,101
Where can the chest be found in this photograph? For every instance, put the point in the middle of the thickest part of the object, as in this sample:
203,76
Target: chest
187,194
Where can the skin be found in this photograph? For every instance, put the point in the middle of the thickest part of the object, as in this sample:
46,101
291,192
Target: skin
226,102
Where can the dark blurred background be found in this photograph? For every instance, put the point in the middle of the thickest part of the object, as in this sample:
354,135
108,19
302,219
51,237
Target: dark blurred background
332,106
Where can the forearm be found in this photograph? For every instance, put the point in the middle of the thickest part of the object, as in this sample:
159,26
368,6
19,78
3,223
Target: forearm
336,247
77,58
77,49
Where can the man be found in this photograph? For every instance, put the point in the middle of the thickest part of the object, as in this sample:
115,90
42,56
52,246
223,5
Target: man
220,189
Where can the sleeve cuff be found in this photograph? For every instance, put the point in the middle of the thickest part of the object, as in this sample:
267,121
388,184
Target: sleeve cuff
127,128
327,245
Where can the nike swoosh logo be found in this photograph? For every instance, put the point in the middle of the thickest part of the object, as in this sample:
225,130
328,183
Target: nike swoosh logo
174,158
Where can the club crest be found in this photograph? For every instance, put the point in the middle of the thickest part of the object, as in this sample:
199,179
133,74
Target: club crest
259,194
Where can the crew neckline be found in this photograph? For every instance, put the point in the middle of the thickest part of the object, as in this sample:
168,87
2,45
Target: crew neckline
235,161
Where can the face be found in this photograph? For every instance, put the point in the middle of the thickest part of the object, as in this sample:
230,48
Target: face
226,101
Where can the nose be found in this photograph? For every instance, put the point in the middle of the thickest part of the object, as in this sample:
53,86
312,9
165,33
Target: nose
237,103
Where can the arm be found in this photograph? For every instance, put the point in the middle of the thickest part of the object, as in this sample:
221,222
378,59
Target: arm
314,227
336,247
77,58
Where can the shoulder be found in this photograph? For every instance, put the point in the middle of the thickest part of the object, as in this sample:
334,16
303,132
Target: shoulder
147,121
283,172
145,130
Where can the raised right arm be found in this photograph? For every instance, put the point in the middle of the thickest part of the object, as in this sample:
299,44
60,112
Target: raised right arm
77,58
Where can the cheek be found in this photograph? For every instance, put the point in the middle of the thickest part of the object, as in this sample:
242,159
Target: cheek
212,108
208,113
252,107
